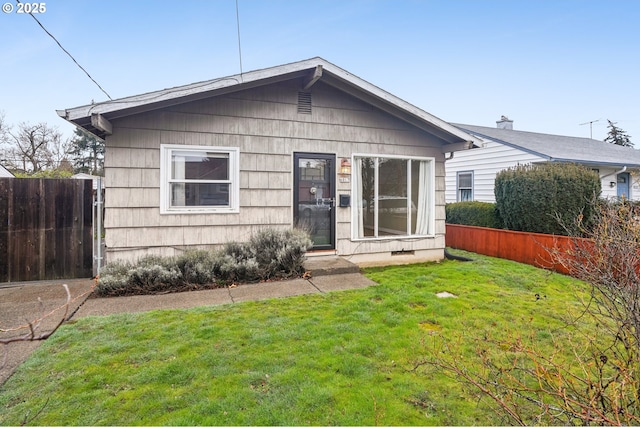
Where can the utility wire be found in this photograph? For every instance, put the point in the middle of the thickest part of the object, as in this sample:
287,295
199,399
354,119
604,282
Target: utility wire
70,56
162,93
239,48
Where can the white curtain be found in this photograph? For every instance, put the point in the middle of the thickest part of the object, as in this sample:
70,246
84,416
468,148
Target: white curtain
178,167
423,220
357,215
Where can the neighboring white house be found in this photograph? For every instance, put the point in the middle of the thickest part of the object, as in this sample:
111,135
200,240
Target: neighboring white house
470,175
306,143
94,178
4,173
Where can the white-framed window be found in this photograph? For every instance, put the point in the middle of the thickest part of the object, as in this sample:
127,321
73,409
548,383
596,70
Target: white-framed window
392,196
464,185
199,179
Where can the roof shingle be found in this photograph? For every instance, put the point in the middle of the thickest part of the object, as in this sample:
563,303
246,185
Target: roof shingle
560,148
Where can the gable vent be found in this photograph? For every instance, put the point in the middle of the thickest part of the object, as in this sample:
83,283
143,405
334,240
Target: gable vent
304,102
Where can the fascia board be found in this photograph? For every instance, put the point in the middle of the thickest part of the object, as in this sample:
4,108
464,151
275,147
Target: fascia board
256,78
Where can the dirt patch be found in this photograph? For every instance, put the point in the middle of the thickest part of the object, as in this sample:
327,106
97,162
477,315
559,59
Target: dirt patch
429,326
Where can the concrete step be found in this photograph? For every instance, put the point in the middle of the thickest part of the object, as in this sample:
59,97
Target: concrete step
328,265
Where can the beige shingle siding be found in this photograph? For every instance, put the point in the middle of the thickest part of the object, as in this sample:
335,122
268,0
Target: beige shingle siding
265,125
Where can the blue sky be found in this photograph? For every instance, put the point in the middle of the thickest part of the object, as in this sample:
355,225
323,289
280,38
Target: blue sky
549,65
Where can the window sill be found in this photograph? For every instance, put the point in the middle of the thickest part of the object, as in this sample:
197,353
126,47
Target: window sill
199,211
398,237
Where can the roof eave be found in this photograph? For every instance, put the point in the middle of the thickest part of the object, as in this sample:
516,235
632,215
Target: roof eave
81,116
507,143
397,106
595,163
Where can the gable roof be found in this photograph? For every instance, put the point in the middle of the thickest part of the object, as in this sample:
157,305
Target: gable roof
558,148
308,71
4,173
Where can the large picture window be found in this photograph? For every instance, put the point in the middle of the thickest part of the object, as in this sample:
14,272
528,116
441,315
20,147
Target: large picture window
198,179
392,196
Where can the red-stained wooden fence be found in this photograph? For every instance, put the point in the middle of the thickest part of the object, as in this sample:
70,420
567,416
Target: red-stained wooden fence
528,248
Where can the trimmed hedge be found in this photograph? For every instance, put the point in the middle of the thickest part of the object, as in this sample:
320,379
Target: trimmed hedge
479,214
540,198
269,254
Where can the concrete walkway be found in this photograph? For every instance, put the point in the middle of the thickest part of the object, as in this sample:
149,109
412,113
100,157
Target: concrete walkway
19,301
250,292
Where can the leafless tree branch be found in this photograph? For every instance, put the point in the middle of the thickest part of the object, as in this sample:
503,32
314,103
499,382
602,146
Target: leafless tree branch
587,378
33,326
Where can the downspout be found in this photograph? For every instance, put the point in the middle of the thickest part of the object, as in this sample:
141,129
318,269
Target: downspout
624,169
467,145
447,254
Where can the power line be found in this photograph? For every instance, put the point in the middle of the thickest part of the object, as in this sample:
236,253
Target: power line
158,94
70,56
239,48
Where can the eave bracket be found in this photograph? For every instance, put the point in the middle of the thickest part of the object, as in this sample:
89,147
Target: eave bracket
99,122
312,79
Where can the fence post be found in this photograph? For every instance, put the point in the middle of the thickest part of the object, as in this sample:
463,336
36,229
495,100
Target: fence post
98,225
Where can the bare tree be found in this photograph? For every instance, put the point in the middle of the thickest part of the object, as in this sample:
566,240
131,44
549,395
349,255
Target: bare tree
4,128
32,148
3,125
591,376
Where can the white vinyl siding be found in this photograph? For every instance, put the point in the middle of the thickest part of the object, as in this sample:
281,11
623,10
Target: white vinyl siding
485,162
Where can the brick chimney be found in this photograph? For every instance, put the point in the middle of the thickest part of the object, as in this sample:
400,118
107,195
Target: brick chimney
505,123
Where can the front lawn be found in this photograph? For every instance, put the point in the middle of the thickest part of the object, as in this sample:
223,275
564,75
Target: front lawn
344,358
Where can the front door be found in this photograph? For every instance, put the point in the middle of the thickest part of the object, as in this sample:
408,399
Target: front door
623,185
314,197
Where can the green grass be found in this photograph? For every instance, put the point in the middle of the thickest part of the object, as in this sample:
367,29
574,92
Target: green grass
339,358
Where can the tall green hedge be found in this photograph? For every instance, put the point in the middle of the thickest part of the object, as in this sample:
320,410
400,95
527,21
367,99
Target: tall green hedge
479,214
533,197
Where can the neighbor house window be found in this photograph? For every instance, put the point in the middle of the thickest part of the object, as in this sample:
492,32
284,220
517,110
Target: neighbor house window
198,179
465,186
392,196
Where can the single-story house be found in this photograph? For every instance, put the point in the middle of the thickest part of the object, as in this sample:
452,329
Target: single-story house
4,173
471,175
303,144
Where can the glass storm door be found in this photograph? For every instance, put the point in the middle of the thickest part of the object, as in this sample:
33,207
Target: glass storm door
314,197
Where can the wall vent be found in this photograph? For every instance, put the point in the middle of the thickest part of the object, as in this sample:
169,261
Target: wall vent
304,102
402,252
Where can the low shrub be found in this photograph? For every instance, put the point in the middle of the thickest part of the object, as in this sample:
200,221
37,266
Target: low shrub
269,254
113,278
280,253
154,274
196,266
235,263
479,214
